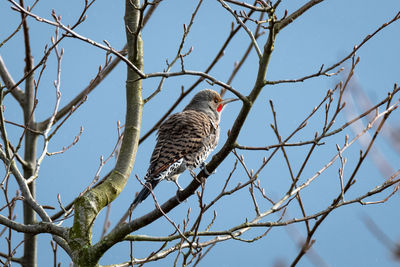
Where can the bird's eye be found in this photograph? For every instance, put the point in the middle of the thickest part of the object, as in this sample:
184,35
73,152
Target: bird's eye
216,100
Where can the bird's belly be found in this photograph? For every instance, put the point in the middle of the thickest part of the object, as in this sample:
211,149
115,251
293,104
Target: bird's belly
175,168
194,160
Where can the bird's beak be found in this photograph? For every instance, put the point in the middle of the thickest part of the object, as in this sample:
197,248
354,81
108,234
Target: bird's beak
228,100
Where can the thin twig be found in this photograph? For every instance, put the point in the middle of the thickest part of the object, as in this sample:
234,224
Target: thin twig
239,21
68,30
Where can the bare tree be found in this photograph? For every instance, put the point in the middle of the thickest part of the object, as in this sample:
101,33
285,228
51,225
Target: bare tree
324,137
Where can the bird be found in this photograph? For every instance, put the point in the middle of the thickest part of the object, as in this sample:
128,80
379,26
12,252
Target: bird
184,141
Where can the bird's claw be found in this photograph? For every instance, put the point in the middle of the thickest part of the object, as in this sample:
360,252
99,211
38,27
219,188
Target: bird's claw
177,184
193,174
178,192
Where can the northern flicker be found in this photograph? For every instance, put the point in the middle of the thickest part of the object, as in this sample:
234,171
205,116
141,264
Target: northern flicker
185,140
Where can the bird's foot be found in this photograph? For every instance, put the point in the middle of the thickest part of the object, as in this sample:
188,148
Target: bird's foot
203,167
178,195
193,174
178,192
177,184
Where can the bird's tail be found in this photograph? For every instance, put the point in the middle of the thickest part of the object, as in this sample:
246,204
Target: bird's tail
145,192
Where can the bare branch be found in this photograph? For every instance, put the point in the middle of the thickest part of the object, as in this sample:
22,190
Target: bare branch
239,21
292,17
325,71
178,53
252,7
42,227
9,82
200,74
68,30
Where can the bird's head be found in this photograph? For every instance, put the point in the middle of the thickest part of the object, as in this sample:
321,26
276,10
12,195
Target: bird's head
209,102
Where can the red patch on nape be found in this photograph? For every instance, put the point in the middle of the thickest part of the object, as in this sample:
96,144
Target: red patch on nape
219,108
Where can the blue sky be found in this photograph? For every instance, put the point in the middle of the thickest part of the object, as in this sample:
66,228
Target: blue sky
323,35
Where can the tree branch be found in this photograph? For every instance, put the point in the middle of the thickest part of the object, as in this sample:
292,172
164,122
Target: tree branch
42,227
17,93
239,21
68,30
89,205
